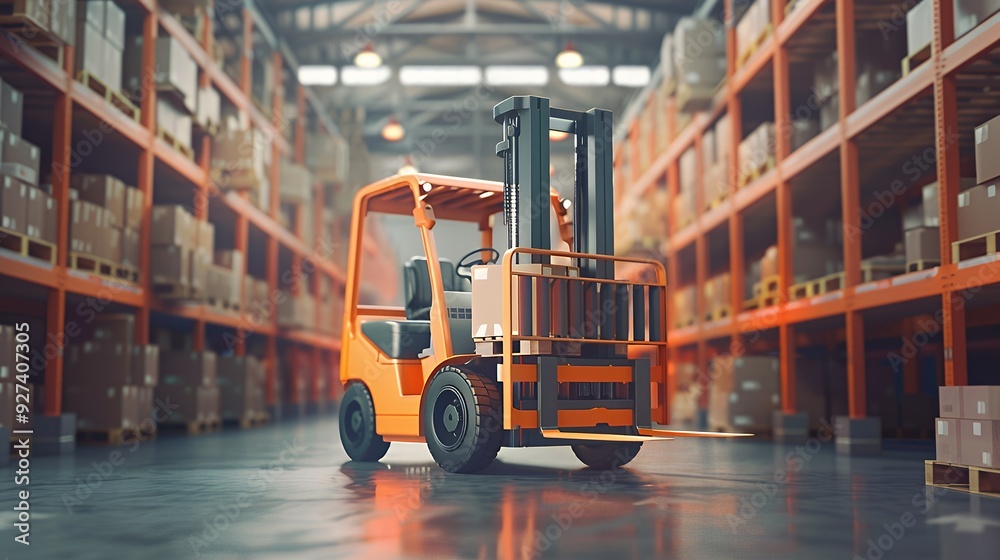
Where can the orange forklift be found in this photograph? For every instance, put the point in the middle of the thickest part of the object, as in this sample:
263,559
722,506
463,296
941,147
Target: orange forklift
531,347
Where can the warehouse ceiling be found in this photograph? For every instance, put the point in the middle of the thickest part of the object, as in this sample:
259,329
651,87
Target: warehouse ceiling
448,127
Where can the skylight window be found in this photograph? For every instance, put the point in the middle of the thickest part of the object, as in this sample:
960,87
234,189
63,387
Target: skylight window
357,76
440,75
517,75
317,75
585,76
630,76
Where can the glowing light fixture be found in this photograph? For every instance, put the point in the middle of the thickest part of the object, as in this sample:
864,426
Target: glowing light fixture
569,57
393,131
367,57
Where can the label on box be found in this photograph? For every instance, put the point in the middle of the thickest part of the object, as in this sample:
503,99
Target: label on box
977,429
751,386
991,191
942,428
982,134
987,458
742,420
980,407
963,199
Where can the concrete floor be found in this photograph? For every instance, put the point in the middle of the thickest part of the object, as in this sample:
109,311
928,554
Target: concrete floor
287,491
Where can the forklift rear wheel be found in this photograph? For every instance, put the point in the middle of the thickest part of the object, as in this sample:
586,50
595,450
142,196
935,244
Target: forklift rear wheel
463,421
357,425
607,455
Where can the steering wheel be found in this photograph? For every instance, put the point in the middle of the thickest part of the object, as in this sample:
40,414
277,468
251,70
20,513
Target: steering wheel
462,264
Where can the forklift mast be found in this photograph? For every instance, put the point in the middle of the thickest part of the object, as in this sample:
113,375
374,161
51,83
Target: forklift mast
526,122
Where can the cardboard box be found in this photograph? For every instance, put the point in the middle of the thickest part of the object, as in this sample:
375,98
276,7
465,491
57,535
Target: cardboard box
102,408
241,387
35,217
92,13
130,247
114,25
970,13
99,362
950,401
744,393
948,440
987,150
112,65
237,160
918,27
923,244
296,184
186,398
36,10
980,443
170,265
198,267
145,365
977,210
63,20
82,226
134,204
105,191
11,108
328,158
116,328
769,262
50,218
187,368
173,225
175,70
209,107
14,205
21,159
205,240
981,402
108,244
174,120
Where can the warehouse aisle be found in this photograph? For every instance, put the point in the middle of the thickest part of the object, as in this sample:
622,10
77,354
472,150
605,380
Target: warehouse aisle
285,491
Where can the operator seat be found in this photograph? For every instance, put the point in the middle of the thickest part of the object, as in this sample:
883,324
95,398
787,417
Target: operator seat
405,340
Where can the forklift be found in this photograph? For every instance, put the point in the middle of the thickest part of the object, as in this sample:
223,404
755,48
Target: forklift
531,347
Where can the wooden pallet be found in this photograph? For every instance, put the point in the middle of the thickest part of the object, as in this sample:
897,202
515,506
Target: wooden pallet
174,143
689,99
684,322
765,294
719,313
176,292
195,428
24,31
717,201
103,267
17,242
222,304
819,286
754,46
751,175
916,266
974,247
208,128
911,62
254,421
975,480
116,436
872,272
112,96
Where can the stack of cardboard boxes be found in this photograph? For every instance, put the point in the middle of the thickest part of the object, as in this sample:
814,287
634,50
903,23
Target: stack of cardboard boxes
718,295
685,306
717,155
100,41
54,16
296,311
188,380
175,77
224,279
327,158
181,252
968,431
241,388
24,208
756,152
105,215
977,206
684,405
752,27
699,61
257,296
826,90
968,14
744,393
816,251
240,160
110,381
921,229
330,308
685,204
296,191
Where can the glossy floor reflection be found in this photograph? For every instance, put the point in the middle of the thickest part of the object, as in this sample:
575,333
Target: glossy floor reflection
286,491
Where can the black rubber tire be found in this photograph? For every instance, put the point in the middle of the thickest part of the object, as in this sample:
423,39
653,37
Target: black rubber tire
357,425
463,420
607,455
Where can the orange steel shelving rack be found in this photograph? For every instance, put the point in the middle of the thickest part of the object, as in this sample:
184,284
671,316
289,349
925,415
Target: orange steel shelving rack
318,349
938,78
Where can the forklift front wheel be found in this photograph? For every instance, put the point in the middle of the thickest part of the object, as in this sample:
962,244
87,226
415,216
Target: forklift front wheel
607,455
463,421
357,425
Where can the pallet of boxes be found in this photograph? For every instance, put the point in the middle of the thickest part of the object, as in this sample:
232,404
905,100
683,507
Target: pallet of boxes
241,391
100,54
28,214
175,79
188,380
180,253
105,215
744,392
241,157
46,25
109,382
967,440
296,198
978,221
296,311
699,62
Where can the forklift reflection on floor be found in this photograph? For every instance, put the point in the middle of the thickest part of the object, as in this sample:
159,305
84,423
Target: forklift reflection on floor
534,347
